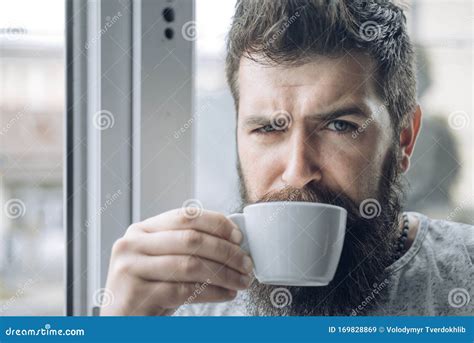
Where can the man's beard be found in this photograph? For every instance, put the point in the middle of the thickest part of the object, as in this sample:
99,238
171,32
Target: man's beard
368,249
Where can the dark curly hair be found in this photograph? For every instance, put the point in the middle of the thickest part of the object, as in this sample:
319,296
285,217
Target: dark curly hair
290,32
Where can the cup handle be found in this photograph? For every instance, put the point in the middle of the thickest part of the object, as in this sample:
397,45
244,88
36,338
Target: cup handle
239,220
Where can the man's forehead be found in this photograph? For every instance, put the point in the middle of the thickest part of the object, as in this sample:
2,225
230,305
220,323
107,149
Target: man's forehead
322,82
349,63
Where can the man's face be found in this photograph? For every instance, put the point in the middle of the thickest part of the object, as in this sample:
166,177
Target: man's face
325,100
319,133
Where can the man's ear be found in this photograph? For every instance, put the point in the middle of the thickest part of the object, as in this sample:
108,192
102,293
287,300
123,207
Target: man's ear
408,137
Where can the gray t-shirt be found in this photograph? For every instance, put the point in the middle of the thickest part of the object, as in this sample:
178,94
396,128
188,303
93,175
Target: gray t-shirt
435,277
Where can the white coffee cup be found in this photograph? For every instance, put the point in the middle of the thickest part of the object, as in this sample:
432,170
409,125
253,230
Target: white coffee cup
293,243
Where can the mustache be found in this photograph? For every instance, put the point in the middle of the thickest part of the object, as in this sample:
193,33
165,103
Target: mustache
316,193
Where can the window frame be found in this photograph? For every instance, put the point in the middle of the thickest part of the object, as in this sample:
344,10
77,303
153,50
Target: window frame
136,155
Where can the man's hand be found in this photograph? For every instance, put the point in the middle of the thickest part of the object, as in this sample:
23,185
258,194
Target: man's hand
159,263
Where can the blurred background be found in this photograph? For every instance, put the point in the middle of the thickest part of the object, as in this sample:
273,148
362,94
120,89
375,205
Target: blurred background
32,100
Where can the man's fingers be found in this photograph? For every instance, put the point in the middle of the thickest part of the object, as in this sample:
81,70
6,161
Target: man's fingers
186,268
210,222
196,243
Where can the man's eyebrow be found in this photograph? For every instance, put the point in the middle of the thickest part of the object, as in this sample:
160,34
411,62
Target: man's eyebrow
256,120
261,120
356,110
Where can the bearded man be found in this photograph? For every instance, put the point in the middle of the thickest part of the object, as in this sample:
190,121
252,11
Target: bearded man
326,112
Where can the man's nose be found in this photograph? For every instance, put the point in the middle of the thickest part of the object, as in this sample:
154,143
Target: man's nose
301,163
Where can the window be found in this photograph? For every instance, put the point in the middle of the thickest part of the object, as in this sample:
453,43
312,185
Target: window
441,174
123,162
214,110
32,245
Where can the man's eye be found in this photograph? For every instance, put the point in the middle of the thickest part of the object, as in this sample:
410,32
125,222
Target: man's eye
341,126
266,129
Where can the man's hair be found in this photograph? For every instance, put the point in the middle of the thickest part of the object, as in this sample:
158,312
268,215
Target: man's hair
291,32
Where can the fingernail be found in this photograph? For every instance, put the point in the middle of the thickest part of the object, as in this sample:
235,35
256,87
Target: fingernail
236,236
232,293
245,280
247,263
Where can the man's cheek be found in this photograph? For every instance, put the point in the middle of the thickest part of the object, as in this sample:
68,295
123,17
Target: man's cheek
348,175
254,181
363,185
249,176
257,179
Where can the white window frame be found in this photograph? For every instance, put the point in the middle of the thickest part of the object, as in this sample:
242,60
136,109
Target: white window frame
132,169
